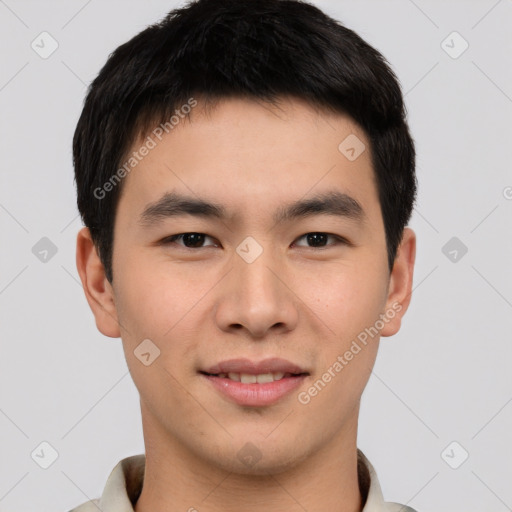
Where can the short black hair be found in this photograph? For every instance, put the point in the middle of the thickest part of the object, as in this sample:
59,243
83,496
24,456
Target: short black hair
254,49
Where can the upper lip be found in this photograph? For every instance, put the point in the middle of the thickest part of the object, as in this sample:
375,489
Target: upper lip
242,365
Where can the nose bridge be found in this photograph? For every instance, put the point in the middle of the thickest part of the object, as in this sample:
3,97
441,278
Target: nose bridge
256,296
256,265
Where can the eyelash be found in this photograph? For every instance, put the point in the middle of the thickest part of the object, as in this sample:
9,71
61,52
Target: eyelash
339,240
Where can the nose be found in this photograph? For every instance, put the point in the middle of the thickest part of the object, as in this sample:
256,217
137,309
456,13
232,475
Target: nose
257,297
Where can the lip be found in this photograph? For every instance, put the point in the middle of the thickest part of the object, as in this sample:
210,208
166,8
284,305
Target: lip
242,365
256,395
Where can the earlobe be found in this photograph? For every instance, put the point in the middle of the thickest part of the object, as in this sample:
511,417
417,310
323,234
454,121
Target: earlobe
98,291
400,284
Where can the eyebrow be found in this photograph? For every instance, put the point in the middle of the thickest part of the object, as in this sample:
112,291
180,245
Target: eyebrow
333,203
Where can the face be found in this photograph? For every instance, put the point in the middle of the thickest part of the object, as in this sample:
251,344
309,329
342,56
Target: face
252,278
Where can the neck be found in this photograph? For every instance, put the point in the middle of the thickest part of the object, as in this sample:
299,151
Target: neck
177,480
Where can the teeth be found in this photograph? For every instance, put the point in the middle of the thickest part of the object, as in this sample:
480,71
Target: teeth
246,378
264,377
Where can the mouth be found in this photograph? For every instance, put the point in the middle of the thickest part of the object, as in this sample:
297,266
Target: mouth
261,378
246,368
255,384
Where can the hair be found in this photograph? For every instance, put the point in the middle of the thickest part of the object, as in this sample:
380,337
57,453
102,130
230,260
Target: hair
255,49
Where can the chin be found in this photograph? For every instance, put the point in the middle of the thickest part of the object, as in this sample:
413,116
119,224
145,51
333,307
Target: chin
259,457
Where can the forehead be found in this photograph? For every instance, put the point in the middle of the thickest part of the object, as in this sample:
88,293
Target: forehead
251,156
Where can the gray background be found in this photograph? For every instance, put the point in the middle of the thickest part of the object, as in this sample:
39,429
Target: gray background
444,377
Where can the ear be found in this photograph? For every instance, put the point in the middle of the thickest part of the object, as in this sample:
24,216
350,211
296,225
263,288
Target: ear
400,283
98,290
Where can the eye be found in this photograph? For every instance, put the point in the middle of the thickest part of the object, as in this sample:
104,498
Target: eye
196,240
319,240
190,240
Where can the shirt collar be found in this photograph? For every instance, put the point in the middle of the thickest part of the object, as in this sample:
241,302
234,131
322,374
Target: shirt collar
124,486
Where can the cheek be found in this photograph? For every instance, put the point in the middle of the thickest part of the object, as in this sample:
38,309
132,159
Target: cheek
162,303
152,306
348,308
150,298
347,298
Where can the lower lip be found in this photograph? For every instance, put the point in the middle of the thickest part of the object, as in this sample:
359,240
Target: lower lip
256,394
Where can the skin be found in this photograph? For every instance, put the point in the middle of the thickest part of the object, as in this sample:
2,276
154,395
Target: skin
294,301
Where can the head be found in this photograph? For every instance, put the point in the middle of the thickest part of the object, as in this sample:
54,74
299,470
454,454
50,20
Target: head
249,107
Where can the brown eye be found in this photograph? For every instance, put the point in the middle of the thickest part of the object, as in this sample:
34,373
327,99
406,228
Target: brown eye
319,240
188,240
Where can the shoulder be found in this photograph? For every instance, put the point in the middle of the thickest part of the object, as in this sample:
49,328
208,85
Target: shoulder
88,506
122,488
397,507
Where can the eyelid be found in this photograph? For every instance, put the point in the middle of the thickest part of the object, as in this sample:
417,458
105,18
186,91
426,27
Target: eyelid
179,236
339,240
171,239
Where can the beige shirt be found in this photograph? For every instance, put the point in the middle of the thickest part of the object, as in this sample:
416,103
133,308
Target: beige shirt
124,486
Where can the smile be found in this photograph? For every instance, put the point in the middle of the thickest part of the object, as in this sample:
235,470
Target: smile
247,378
255,390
